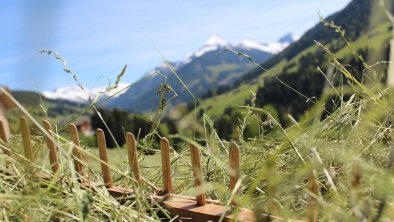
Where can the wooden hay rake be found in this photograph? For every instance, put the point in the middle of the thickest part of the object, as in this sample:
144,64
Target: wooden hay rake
184,208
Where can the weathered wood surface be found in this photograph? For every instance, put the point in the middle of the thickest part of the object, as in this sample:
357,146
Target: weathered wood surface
188,209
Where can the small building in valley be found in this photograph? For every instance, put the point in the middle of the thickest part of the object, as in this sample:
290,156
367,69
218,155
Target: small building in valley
5,104
84,125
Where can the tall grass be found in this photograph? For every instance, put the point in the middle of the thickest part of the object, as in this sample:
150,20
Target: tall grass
350,152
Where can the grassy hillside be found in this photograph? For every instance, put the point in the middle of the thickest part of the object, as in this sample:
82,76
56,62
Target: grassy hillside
215,106
374,40
359,17
59,112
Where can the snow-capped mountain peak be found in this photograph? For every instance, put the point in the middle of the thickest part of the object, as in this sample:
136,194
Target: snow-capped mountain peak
215,41
273,48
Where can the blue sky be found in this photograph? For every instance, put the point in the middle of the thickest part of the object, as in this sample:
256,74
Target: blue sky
97,38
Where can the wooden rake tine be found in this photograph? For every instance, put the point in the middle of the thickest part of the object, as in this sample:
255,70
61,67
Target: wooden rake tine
197,174
55,166
26,138
166,165
73,131
132,156
107,176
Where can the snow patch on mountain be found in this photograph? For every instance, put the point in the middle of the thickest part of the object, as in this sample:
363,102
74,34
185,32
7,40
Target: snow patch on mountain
273,48
214,43
78,95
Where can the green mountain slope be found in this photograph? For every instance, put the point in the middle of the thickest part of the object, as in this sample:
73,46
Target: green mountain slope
357,18
368,32
58,111
212,69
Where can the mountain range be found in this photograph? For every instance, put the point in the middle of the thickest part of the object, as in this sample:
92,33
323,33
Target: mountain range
208,68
